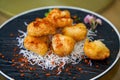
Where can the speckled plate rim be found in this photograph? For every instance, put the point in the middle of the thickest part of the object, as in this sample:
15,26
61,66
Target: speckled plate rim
76,8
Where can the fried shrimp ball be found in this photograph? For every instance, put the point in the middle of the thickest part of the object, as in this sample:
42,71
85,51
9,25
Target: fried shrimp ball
78,32
96,50
36,45
59,18
62,45
40,27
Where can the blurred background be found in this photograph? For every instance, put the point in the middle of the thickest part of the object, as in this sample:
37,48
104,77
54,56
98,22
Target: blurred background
108,8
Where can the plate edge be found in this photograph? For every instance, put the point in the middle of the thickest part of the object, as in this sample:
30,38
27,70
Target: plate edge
70,7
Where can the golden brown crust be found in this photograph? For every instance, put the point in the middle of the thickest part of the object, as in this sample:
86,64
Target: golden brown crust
96,50
36,45
40,27
59,18
62,45
78,32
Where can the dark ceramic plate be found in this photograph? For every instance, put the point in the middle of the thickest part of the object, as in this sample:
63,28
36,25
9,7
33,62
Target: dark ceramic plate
81,71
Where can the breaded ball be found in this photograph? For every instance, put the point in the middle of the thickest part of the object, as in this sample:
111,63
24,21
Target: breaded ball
78,32
40,27
96,50
62,45
36,45
59,18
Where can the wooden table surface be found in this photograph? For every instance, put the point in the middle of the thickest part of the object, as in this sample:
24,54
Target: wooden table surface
112,13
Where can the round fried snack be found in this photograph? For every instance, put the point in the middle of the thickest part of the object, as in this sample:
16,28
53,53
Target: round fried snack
59,18
96,50
36,45
62,45
78,32
40,27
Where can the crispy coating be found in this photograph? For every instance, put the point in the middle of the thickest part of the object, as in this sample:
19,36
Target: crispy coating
62,45
96,50
36,45
59,18
78,32
40,27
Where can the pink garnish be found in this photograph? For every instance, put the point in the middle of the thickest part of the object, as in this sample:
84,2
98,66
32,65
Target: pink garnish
93,21
86,19
99,21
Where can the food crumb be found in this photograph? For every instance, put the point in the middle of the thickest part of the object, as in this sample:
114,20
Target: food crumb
74,78
36,75
79,69
13,65
13,60
21,71
15,49
11,34
75,17
97,66
22,65
86,61
30,68
69,73
66,69
22,74
83,56
17,67
47,74
3,56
